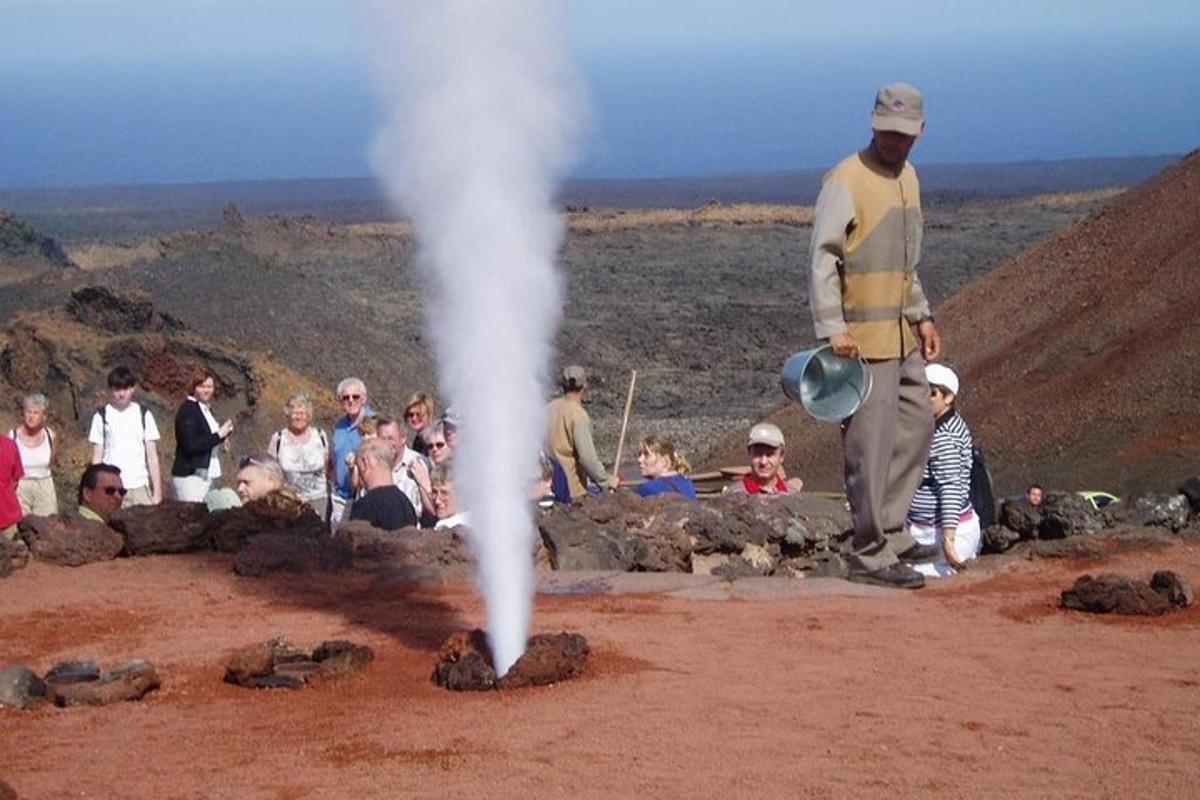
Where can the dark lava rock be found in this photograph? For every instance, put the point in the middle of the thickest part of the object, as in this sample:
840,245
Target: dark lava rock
1021,516
465,663
70,541
278,512
406,547
259,660
1170,511
14,555
171,527
20,687
291,552
276,664
338,657
1175,589
1068,514
118,311
1191,490
998,538
19,238
7,792
76,684
1114,594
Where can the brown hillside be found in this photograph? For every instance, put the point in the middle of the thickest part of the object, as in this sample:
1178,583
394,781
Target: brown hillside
67,353
1079,358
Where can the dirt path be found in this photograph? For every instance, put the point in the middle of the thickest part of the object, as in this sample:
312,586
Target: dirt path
978,687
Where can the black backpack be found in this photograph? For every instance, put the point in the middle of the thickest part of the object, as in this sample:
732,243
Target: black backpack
983,499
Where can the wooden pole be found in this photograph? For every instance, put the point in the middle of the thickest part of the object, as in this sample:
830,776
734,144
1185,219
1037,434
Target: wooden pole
625,422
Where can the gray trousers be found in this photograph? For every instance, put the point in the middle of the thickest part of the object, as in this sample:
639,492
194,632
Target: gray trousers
886,444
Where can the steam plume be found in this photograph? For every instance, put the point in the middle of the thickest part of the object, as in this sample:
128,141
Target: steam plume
480,119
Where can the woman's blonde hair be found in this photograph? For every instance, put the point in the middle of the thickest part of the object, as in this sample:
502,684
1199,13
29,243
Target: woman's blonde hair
663,447
425,402
299,400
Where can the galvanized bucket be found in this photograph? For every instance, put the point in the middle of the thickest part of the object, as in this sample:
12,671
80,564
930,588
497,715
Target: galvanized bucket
829,387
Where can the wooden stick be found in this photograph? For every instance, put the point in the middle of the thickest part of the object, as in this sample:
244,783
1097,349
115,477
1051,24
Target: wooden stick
625,422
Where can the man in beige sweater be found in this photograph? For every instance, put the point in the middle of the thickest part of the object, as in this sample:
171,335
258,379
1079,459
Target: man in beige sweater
868,303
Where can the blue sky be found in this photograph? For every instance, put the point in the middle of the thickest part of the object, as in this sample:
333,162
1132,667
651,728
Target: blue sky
133,91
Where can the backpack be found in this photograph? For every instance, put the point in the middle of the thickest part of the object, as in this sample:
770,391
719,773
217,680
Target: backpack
983,499
12,434
103,412
279,441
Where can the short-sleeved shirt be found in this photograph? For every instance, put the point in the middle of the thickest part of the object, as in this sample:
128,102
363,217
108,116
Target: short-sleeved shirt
124,438
385,507
10,475
404,481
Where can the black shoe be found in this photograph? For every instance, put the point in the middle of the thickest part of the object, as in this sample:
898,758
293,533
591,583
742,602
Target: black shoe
921,552
897,576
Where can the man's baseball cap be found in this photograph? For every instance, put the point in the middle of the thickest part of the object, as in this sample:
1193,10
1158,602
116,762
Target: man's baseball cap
941,375
766,433
899,107
573,377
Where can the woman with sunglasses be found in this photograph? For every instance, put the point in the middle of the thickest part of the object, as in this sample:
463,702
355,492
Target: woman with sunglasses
198,438
418,415
941,511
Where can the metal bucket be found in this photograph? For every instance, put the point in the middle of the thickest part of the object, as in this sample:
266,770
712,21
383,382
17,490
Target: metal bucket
829,387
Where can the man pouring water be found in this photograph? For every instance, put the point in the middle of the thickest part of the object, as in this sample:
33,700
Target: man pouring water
868,303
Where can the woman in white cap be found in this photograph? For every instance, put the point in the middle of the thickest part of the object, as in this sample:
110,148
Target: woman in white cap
941,511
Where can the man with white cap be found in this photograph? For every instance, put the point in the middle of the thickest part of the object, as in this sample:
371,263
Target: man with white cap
569,440
766,476
867,301
941,513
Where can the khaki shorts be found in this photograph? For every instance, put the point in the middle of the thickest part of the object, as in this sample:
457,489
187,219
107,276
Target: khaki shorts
138,496
37,497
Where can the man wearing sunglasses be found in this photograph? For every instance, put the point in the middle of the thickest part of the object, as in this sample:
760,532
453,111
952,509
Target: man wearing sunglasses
100,492
347,437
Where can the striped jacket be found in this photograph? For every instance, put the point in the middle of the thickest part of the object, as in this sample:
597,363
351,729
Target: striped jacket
866,242
944,493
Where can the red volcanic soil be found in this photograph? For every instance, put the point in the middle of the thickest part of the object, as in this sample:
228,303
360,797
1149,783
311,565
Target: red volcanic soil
1080,358
976,687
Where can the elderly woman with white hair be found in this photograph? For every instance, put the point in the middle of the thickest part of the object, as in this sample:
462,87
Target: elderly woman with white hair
35,443
302,452
941,511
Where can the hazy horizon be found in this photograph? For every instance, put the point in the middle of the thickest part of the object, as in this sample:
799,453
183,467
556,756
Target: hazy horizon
118,92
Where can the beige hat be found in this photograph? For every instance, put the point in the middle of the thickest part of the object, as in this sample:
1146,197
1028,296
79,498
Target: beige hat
573,377
766,433
899,107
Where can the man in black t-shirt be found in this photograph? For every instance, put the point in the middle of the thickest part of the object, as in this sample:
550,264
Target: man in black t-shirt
384,505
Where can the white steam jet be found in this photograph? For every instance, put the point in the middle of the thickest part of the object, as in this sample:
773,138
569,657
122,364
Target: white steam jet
482,110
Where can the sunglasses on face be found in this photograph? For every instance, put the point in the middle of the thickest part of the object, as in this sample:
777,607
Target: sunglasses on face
249,461
437,445
111,490
346,398
411,414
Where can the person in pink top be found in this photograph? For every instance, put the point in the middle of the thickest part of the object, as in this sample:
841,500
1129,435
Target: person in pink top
11,473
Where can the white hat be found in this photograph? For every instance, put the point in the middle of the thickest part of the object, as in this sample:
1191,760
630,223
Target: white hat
766,433
941,375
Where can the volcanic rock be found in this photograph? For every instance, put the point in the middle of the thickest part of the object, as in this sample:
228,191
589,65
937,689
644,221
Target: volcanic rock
277,664
1068,514
14,555
278,512
291,552
19,238
170,527
118,311
1170,511
406,547
20,687
998,538
1191,490
1114,594
70,541
338,658
83,683
7,792
465,662
1021,516
1174,588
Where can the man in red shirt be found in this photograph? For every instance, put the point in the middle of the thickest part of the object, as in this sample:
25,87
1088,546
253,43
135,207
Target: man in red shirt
766,474
11,473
